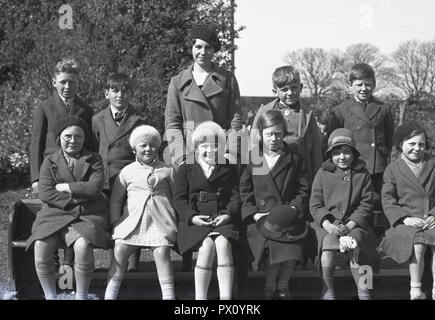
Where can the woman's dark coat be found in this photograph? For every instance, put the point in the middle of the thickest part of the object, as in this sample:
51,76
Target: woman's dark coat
340,196
190,180
404,195
85,209
262,189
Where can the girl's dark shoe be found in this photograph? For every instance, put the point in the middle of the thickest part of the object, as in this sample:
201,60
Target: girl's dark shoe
284,294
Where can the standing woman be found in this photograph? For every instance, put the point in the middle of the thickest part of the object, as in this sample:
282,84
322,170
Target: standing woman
202,92
408,198
74,213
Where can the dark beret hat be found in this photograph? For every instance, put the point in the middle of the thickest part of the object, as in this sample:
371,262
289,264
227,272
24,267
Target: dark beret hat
208,35
403,130
69,121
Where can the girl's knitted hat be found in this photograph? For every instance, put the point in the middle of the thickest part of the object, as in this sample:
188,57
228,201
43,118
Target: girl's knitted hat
208,131
145,134
339,137
208,35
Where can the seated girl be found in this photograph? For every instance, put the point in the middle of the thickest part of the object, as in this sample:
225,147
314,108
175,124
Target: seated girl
74,212
275,177
408,197
342,206
207,203
141,212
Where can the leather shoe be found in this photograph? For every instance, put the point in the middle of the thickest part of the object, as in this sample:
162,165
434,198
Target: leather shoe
284,294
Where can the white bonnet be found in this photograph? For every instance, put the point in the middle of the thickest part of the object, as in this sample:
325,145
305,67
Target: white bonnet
145,133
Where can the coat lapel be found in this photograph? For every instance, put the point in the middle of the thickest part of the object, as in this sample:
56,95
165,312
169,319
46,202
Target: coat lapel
407,173
214,84
372,108
126,124
190,89
304,118
77,108
81,167
59,165
218,171
427,172
59,106
110,127
357,110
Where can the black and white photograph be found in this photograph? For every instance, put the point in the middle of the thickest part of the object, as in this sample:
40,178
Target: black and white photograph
228,151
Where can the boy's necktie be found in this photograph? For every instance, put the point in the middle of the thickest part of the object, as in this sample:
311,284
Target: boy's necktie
118,117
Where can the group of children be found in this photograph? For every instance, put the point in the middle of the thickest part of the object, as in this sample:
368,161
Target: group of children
102,185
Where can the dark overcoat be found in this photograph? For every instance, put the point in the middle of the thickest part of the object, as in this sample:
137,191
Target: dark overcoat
188,105
340,196
261,189
45,118
310,142
372,130
404,195
190,180
112,143
85,209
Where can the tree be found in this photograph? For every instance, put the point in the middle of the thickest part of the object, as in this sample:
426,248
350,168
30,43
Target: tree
147,39
371,55
321,71
415,67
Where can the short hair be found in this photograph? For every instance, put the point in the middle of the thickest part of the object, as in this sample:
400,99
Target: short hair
268,119
284,75
412,134
119,81
67,65
206,130
361,71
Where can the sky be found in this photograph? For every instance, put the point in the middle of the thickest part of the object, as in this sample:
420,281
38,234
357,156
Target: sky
275,27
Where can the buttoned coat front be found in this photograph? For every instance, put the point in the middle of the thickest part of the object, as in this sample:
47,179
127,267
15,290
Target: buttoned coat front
342,195
112,143
309,142
372,130
132,192
45,118
85,209
190,180
188,105
404,195
261,189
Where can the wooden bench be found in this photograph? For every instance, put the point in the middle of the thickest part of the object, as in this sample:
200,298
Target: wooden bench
23,281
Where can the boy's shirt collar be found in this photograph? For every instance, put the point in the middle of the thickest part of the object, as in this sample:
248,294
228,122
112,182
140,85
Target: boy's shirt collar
364,104
66,101
114,110
296,107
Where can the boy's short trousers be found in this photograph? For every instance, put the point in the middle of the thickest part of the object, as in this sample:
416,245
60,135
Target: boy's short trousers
68,236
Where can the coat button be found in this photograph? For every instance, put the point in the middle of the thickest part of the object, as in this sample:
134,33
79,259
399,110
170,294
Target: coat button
346,178
373,144
262,202
359,128
343,212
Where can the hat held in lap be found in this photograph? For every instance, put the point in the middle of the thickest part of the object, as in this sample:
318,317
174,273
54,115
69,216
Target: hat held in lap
282,224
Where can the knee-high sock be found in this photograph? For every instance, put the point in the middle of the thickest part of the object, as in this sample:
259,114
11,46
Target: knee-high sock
363,293
328,283
47,277
167,287
83,272
202,281
113,286
225,275
286,270
271,272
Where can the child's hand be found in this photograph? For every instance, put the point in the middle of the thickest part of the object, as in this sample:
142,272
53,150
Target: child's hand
202,220
222,219
63,187
331,228
429,223
257,216
35,187
414,222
